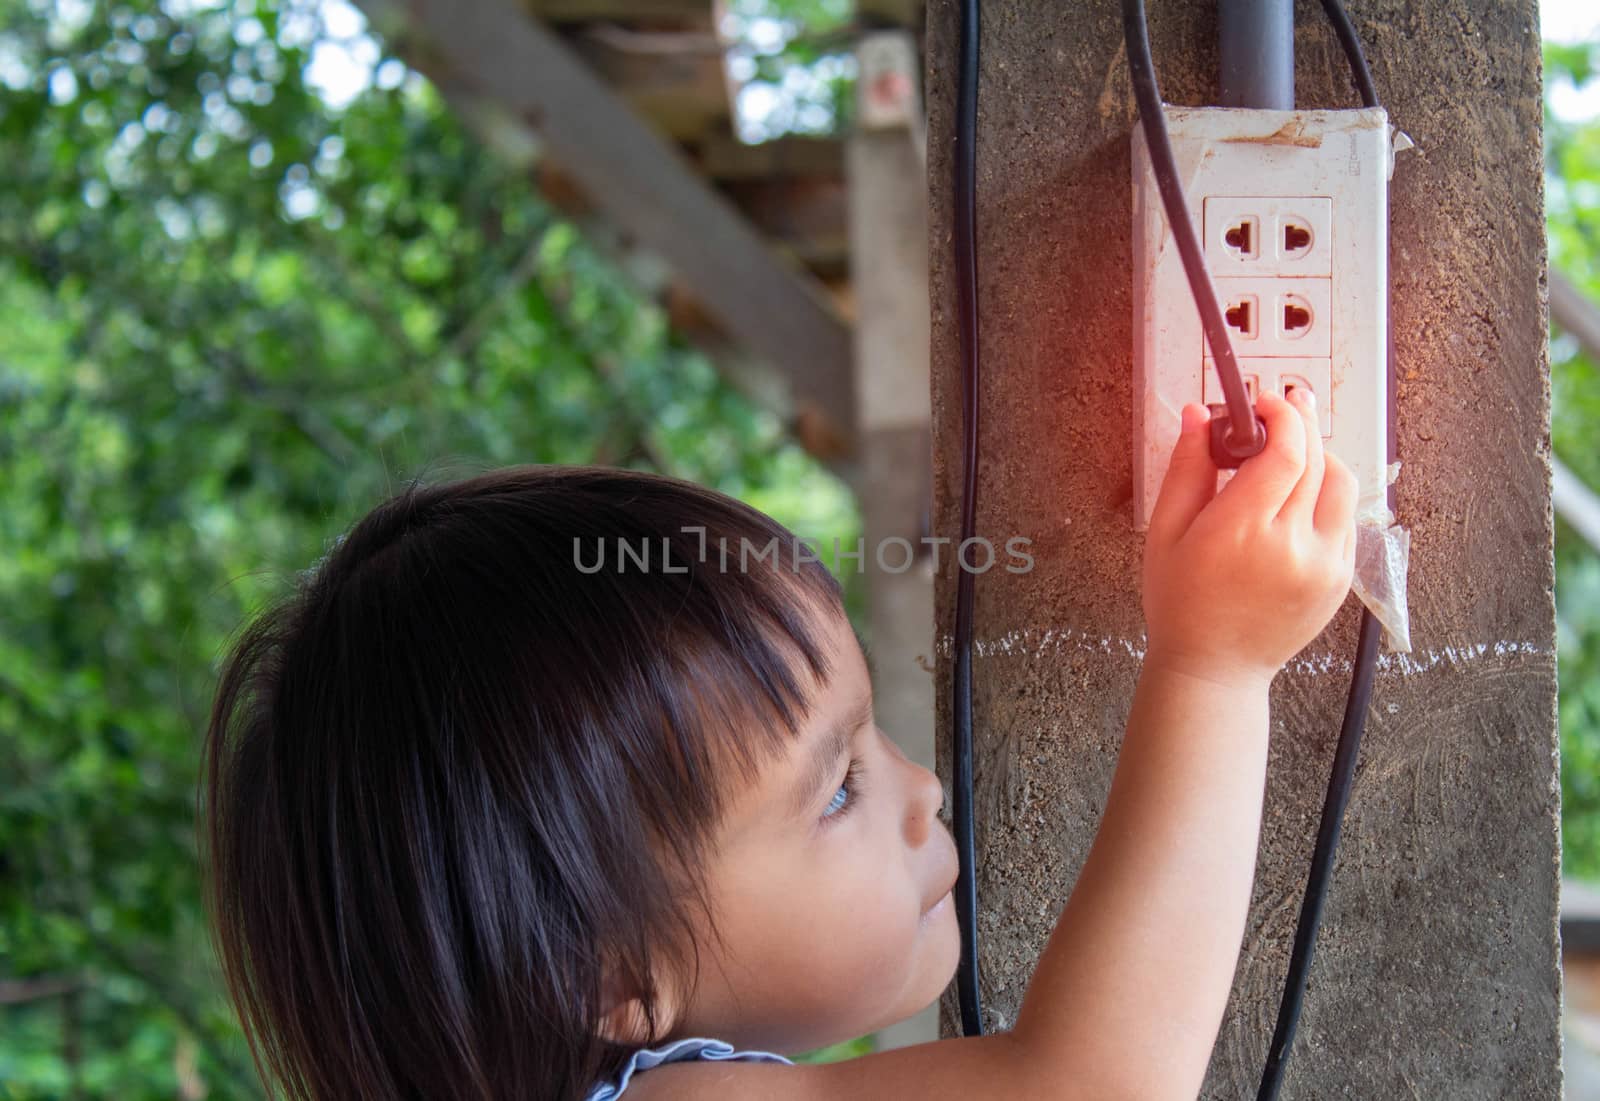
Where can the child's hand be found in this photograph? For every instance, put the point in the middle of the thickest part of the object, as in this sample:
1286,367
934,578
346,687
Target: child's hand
1236,583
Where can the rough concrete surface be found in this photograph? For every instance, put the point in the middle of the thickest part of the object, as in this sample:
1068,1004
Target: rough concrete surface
1436,969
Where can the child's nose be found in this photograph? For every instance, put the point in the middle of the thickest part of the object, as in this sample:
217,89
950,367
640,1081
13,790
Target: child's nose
926,799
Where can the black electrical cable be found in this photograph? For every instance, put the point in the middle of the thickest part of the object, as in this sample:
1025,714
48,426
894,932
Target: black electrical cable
1333,804
1352,51
1358,701
1235,444
966,257
1357,705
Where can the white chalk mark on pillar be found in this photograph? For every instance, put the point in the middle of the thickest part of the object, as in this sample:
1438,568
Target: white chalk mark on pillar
1040,642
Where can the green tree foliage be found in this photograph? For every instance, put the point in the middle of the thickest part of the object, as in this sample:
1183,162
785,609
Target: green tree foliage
795,63
235,318
1573,212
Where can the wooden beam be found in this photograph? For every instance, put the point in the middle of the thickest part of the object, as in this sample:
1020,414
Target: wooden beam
724,157
1573,313
1580,918
690,320
642,184
888,234
656,13
891,13
803,215
808,217
683,91
1574,501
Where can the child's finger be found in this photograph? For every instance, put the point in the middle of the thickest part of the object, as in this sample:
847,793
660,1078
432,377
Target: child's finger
1336,504
1302,500
1265,480
1191,479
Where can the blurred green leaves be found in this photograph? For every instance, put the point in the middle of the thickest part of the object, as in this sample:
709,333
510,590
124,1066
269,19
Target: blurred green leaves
234,319
795,63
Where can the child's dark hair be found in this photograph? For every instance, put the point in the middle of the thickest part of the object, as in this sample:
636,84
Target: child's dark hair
454,783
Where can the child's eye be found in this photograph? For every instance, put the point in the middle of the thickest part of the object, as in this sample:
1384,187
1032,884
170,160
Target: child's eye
848,792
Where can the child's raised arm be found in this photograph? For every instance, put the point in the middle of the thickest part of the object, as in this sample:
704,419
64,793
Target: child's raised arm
1130,991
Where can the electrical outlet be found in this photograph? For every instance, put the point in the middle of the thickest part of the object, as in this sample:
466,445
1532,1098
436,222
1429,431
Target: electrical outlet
1268,235
1292,208
1276,316
1278,375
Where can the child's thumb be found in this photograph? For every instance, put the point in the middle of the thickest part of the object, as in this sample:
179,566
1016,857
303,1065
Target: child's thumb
1191,479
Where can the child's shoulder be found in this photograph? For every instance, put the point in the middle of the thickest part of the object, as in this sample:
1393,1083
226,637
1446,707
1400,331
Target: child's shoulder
976,1068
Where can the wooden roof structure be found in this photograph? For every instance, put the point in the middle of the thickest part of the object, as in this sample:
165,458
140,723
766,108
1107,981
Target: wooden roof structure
623,109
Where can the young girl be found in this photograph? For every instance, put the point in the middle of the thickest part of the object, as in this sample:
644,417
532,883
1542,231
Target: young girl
558,782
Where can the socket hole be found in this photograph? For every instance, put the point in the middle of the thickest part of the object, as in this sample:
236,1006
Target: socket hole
1241,315
1241,238
1296,317
1296,239
1252,387
1291,383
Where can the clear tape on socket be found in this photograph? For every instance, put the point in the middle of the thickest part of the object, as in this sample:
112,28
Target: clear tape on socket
1383,547
1383,554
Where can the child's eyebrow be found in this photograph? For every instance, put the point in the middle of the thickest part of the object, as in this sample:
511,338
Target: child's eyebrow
825,756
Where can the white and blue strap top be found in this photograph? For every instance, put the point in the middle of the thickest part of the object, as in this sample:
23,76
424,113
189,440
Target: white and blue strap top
678,1051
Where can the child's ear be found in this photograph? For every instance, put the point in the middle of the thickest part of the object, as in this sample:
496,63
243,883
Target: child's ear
622,1019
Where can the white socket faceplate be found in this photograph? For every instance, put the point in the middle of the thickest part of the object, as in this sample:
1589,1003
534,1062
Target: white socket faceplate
1293,212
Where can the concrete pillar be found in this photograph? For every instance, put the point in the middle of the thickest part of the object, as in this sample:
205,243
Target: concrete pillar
1436,970
889,271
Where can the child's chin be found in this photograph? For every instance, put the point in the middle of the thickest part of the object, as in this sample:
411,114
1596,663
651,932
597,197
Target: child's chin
941,936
